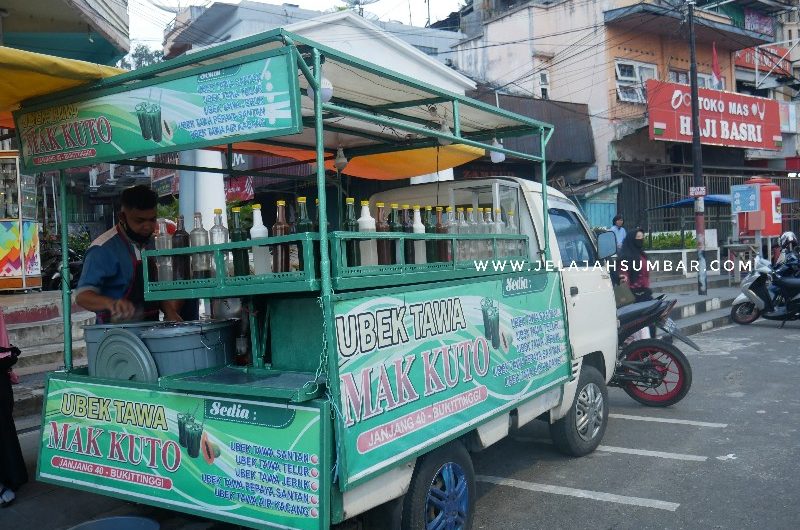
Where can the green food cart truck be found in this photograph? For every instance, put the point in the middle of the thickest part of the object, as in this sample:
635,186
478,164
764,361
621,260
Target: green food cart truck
369,383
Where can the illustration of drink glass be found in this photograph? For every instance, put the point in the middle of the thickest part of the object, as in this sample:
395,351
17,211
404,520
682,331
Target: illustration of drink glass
144,120
486,304
194,431
183,420
494,325
154,115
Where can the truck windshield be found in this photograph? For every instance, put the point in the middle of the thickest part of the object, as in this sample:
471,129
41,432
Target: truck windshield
574,242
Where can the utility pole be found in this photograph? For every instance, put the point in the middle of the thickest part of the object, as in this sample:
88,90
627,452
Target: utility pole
697,162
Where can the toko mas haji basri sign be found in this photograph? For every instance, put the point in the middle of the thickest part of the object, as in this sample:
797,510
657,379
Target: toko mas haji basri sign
726,118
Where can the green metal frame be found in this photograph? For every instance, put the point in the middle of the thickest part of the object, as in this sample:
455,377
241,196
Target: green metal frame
333,270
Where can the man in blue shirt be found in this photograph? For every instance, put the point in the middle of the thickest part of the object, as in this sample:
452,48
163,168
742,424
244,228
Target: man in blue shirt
619,231
112,281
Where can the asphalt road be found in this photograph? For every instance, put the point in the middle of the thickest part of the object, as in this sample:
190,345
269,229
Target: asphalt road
725,457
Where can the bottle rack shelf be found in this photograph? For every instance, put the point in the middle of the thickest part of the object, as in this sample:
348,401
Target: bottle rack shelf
344,275
222,286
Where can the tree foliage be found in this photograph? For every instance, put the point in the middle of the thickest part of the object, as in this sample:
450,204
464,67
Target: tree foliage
140,57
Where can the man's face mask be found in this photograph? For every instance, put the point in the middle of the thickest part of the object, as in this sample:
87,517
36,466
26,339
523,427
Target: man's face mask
134,236
639,243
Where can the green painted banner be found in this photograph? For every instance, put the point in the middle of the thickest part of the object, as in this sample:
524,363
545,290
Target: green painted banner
422,366
248,462
235,102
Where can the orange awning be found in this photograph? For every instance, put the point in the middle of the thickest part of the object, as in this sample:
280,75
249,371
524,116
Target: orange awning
24,75
383,166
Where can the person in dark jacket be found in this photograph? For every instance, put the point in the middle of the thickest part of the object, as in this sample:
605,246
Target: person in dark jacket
13,472
632,265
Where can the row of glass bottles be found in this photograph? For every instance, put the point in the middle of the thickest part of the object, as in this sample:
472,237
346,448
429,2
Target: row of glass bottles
358,252
410,220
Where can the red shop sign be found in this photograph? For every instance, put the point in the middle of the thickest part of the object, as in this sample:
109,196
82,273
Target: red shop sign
770,58
239,189
726,118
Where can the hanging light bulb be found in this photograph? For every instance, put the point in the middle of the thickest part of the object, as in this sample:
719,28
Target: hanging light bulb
340,161
444,129
497,156
326,90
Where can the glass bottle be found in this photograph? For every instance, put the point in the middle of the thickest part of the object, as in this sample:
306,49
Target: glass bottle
368,247
408,228
445,252
418,228
163,241
180,264
499,228
395,225
262,263
302,226
514,247
241,260
201,261
219,236
280,252
452,228
489,229
352,247
431,246
480,249
462,228
472,228
385,246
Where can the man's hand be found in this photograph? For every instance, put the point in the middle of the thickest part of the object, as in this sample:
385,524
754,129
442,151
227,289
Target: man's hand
171,309
121,309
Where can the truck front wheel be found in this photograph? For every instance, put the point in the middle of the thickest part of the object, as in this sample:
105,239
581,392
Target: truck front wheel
581,430
442,491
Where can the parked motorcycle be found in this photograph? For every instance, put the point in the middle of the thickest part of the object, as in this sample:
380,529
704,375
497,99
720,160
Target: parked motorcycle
51,267
652,371
771,293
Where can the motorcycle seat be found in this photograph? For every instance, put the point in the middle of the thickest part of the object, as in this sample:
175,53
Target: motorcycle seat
788,283
632,312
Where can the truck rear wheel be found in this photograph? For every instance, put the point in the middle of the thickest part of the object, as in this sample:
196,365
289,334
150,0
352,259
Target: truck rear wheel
442,491
581,430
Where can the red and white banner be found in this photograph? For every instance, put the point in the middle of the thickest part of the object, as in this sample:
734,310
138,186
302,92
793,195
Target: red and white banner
726,118
773,58
239,189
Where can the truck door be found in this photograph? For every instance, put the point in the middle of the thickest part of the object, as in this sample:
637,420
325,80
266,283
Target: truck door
587,289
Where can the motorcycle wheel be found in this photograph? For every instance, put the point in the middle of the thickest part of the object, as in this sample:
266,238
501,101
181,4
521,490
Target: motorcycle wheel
666,359
745,313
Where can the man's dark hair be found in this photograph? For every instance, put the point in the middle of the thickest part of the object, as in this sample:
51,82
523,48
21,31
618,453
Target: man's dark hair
616,218
139,198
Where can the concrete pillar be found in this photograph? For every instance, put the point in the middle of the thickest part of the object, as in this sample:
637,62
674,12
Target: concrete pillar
209,189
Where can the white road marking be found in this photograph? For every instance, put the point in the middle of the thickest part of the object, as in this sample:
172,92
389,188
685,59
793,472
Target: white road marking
658,454
729,456
624,450
583,494
668,420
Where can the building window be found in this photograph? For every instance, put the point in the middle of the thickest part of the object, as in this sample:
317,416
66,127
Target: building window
631,79
703,80
545,94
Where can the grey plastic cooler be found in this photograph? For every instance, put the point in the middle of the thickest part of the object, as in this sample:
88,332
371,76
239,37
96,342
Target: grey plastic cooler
188,346
94,335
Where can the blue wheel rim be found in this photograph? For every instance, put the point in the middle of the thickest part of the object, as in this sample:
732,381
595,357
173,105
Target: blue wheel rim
448,499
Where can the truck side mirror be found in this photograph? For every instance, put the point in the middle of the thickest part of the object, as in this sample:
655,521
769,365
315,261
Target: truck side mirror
606,245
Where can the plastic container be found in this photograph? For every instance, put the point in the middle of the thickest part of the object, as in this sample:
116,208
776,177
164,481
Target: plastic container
119,523
188,346
94,335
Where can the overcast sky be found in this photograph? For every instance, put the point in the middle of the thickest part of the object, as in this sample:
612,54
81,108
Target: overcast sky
148,22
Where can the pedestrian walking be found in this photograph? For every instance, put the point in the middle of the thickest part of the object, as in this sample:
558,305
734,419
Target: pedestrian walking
618,229
13,472
633,266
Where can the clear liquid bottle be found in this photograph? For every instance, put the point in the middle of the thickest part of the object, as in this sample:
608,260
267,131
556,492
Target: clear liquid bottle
241,260
452,228
408,228
181,268
201,261
431,246
262,262
163,263
368,247
472,228
499,228
462,228
444,249
352,247
481,243
218,235
395,225
489,227
385,246
280,252
302,226
514,247
418,228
